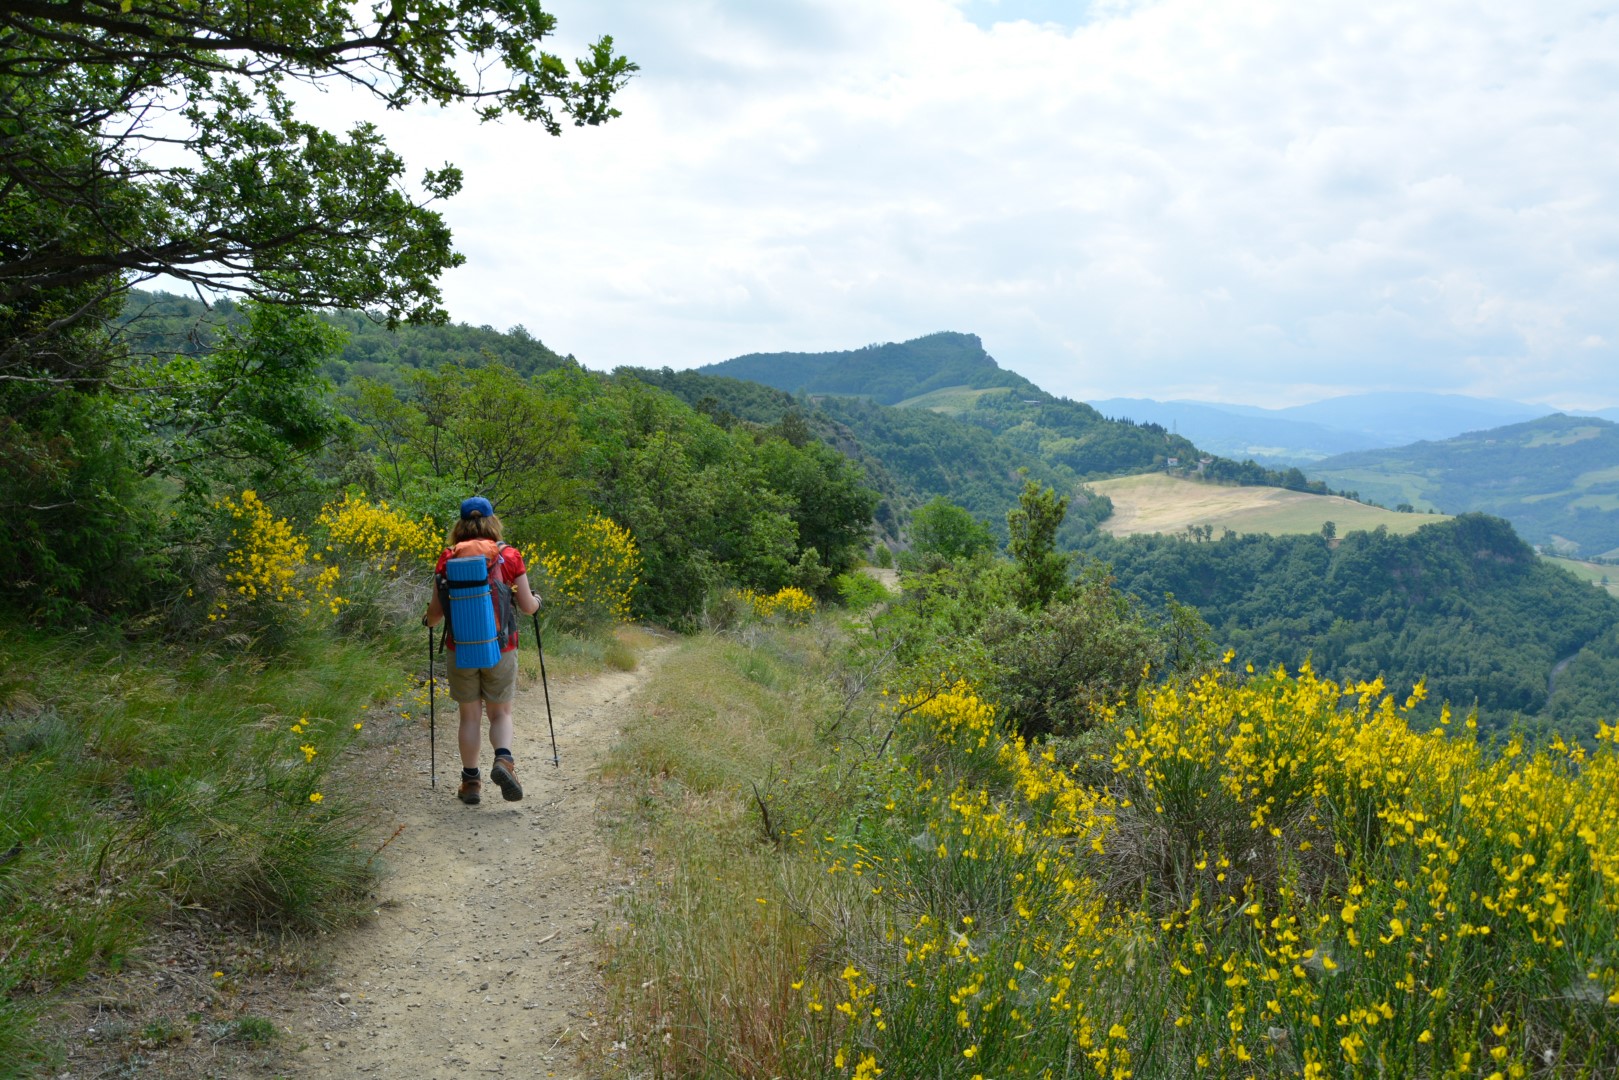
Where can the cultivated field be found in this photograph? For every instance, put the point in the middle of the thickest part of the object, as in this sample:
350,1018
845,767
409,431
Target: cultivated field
1156,503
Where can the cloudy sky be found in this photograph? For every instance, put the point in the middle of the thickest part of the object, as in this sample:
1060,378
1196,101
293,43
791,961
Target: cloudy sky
1257,202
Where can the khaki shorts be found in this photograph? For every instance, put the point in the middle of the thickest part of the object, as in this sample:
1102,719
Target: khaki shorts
496,684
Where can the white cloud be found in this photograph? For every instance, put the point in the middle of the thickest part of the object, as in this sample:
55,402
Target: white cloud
1254,201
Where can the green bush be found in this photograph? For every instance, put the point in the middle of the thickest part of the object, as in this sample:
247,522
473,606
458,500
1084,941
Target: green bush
1053,671
860,591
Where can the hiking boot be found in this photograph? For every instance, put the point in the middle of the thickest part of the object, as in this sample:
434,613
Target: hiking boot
505,775
471,791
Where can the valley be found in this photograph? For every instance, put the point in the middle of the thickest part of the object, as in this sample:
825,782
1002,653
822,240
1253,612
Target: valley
1556,479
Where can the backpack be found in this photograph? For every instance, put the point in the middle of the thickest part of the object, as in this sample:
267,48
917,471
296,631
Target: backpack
459,592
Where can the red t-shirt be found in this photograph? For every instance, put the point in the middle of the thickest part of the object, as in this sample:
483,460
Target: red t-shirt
511,568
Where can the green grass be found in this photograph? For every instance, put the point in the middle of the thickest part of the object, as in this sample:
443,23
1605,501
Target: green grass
951,400
735,759
135,780
1609,475
1563,438
1389,487
1595,573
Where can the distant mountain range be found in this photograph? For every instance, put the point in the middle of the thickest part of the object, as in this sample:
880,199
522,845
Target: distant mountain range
1304,434
1556,478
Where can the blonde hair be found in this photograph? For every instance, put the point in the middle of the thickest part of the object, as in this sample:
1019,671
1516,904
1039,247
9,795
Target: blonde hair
476,527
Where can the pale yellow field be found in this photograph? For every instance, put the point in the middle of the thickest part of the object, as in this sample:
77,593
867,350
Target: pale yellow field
1157,503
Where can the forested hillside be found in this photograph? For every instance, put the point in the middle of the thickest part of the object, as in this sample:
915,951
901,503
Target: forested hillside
952,374
158,324
1464,603
887,373
1556,479
1025,418
763,479
910,455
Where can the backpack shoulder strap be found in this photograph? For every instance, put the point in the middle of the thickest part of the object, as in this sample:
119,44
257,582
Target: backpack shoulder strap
500,591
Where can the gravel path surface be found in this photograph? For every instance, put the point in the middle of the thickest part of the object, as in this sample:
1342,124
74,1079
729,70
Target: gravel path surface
482,957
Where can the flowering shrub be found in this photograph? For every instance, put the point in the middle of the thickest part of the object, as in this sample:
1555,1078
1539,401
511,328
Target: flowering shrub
274,570
793,604
1272,878
361,529
268,563
593,581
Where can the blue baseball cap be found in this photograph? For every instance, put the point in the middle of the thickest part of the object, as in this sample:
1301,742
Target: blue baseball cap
477,505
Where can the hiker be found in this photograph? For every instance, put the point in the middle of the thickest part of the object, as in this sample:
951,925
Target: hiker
480,689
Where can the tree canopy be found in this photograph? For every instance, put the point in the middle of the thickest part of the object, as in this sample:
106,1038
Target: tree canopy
147,138
160,138
1464,603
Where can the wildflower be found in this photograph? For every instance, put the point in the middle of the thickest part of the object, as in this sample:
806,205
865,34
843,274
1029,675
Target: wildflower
316,797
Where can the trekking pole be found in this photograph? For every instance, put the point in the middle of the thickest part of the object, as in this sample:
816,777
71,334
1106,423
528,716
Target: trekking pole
540,644
432,717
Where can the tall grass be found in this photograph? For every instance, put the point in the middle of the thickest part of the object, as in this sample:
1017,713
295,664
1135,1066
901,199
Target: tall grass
719,783
135,780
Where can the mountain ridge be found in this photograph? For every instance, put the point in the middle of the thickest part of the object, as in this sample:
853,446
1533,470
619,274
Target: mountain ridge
936,361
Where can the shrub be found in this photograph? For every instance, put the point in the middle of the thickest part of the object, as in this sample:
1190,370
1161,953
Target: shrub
377,545
860,591
1054,671
942,528
271,580
592,581
365,531
792,604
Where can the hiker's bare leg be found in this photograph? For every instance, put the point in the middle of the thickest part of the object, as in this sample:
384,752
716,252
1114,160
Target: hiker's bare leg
471,729
500,724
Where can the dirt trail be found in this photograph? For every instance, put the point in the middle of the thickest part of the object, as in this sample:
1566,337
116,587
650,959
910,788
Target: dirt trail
481,957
